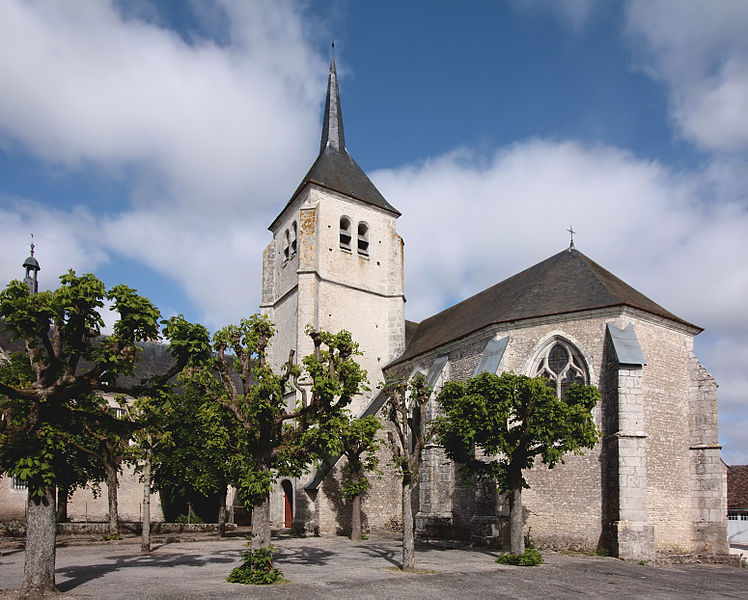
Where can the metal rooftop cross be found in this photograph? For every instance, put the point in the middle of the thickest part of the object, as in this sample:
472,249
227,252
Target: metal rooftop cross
571,233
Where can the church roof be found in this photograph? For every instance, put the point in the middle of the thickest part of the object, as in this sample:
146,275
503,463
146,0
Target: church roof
737,486
564,283
335,168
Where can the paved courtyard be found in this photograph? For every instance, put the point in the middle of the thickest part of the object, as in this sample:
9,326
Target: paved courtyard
337,568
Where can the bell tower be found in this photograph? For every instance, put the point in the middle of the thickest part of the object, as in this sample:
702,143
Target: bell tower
336,260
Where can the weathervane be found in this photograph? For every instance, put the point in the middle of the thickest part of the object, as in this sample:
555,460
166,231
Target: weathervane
571,233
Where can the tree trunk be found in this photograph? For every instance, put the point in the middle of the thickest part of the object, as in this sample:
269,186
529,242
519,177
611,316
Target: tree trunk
516,525
261,524
145,542
409,560
41,532
62,504
222,512
111,484
356,518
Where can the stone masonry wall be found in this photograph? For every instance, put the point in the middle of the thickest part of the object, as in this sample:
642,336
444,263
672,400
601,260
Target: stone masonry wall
567,506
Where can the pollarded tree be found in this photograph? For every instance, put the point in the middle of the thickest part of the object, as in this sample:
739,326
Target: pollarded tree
356,439
271,434
406,405
69,360
513,420
360,444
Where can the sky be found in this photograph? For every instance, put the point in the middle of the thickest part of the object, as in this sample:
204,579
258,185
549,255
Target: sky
153,142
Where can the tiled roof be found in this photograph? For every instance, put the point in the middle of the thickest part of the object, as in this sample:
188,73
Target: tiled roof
564,283
737,486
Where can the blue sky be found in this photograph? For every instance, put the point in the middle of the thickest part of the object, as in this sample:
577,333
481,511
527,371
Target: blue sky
153,142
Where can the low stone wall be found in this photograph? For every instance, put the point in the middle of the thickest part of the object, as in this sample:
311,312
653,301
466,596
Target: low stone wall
18,528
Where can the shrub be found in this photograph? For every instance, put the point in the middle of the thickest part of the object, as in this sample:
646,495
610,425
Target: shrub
112,536
183,519
257,568
530,558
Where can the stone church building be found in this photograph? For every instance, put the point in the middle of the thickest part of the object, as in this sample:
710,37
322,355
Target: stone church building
654,484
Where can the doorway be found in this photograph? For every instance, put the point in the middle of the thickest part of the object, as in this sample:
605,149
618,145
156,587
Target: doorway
287,503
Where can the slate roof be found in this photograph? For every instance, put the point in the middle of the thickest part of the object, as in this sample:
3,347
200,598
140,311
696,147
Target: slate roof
335,168
737,486
564,283
153,359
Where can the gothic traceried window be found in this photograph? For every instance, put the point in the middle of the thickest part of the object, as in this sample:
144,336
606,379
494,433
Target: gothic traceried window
561,364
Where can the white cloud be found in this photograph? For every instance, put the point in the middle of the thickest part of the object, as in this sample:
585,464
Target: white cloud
699,50
488,219
208,124
64,240
469,222
210,138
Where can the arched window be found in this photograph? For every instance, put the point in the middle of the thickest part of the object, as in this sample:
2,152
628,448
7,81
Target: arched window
363,239
345,233
561,364
294,235
285,246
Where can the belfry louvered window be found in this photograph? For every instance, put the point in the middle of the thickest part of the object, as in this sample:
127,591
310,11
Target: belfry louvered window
561,364
345,233
363,239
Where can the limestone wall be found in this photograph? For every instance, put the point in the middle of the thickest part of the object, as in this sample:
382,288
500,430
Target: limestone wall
12,500
85,506
572,504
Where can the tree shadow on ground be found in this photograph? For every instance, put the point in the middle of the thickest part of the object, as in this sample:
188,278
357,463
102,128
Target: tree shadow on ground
377,551
304,555
79,575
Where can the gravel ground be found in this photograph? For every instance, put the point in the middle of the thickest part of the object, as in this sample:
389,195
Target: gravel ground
319,568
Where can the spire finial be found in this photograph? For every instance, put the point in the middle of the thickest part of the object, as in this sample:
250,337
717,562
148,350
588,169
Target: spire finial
333,49
571,233
332,121
32,268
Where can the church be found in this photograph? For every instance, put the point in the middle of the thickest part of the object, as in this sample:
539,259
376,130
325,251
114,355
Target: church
654,484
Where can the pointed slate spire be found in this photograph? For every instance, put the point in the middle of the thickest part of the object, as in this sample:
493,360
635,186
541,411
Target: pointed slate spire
335,169
332,126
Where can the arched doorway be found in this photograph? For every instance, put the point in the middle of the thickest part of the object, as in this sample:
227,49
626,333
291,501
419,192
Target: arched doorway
287,503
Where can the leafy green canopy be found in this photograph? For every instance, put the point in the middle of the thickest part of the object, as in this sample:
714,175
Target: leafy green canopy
67,359
513,419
